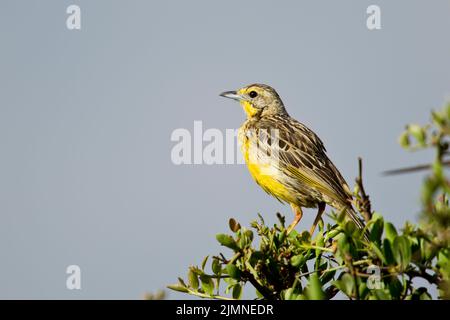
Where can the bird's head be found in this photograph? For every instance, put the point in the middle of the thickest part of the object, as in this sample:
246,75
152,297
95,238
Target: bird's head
257,100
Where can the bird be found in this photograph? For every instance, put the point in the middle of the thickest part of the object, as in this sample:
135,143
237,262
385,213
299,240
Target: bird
287,159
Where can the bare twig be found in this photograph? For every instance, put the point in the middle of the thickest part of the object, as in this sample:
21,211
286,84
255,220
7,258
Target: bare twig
349,263
417,168
364,201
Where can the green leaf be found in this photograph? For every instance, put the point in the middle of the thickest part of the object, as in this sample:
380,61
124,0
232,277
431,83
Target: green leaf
438,118
377,230
382,294
363,291
327,276
237,291
379,254
193,279
249,234
341,215
258,294
332,234
204,262
289,294
390,231
395,288
350,227
320,242
346,284
343,245
227,241
181,281
402,251
438,169
403,140
207,284
376,216
245,239
298,260
314,289
292,293
215,266
233,271
282,236
427,250
418,133
178,287
444,263
387,250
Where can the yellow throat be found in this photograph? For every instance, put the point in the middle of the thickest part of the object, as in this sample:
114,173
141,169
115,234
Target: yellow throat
249,109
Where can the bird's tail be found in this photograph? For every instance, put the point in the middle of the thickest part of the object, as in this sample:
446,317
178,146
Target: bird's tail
359,223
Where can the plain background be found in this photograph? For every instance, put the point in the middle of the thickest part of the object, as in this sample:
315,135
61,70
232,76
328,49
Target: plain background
86,117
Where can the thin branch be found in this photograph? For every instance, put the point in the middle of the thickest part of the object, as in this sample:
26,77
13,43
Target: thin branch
417,168
316,247
261,289
207,296
349,261
356,263
364,202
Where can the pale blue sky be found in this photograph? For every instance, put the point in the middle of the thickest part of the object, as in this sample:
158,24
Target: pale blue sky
86,118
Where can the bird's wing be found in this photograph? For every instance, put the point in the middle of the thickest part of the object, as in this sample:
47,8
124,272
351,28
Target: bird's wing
302,155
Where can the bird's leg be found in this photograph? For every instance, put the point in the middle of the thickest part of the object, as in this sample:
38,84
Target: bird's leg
318,217
298,216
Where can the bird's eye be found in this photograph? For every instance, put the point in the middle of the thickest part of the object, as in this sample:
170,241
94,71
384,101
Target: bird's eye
253,94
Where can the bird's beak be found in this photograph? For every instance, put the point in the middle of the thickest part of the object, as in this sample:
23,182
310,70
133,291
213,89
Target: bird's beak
231,95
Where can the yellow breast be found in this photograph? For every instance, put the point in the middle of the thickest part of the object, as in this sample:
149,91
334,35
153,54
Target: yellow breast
264,173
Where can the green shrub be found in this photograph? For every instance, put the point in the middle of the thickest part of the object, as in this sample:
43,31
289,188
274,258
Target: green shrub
338,259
